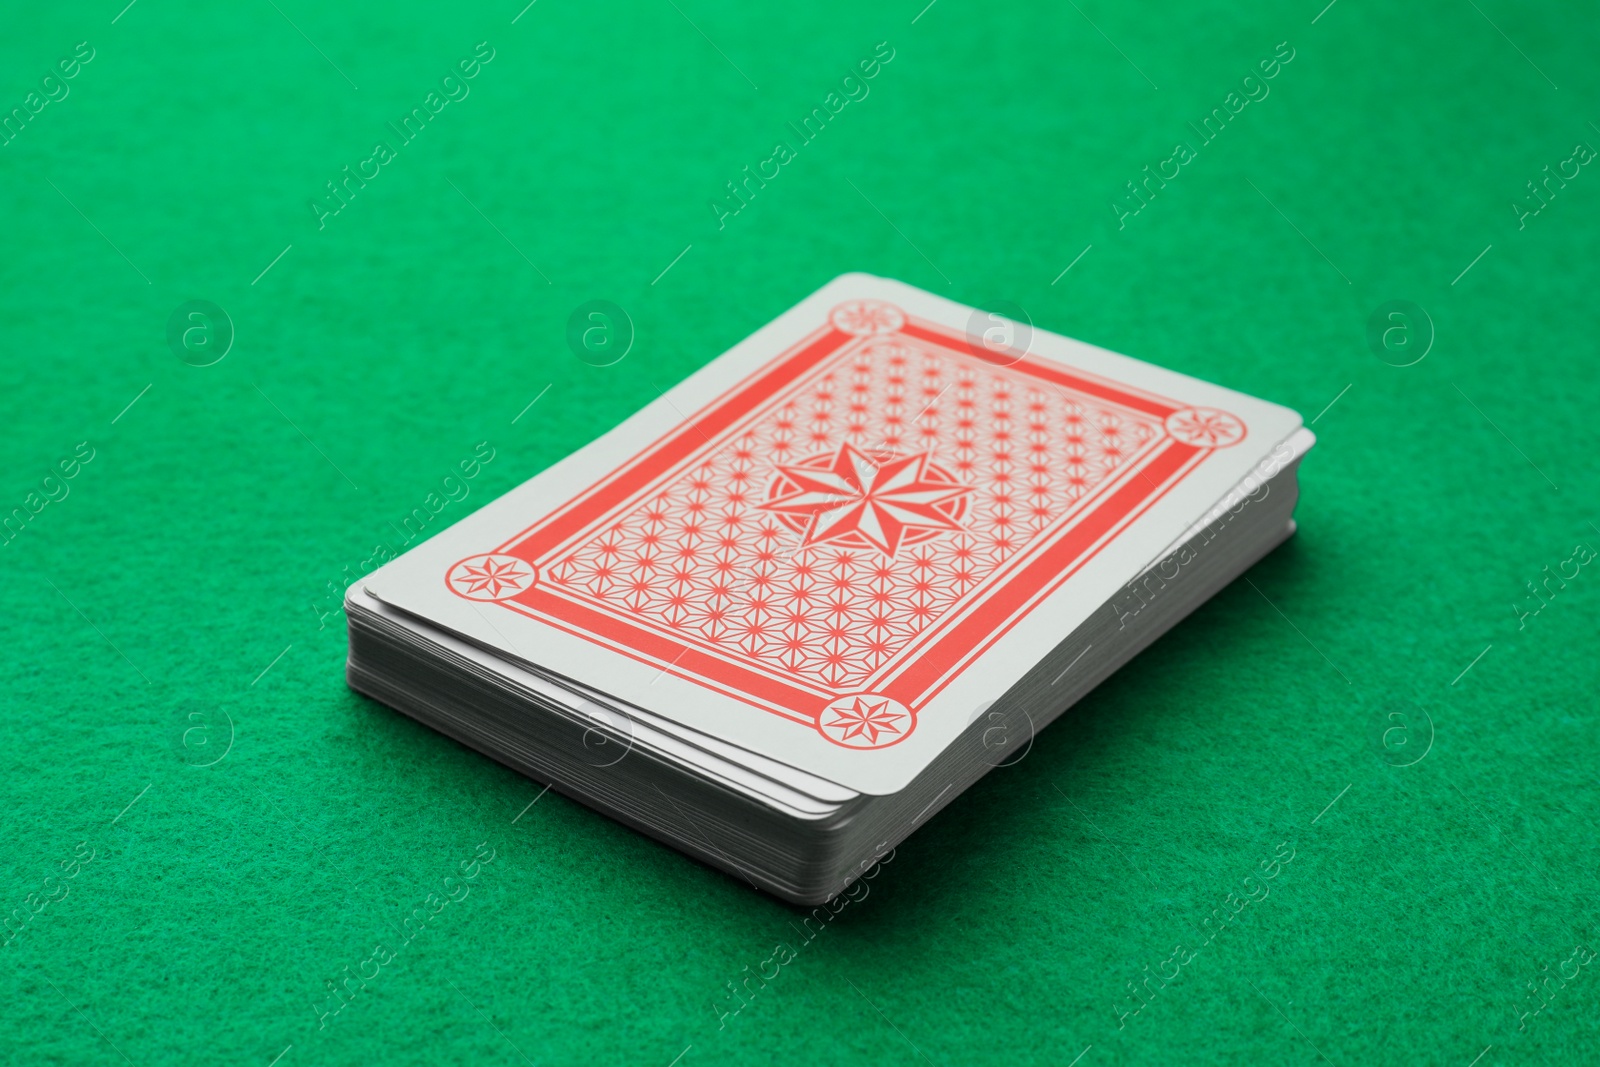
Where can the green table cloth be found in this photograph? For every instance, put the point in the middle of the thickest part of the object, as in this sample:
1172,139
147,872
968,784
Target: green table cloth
286,287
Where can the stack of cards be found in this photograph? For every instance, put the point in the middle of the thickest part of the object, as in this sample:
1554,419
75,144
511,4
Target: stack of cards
782,616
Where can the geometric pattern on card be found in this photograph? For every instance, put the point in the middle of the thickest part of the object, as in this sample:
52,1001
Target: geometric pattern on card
833,539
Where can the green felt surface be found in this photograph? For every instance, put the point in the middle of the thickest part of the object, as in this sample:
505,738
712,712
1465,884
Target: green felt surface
181,585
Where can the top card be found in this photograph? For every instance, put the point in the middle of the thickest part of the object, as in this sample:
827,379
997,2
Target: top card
838,543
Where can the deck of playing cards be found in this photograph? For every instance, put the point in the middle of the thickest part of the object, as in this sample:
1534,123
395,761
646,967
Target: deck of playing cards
786,613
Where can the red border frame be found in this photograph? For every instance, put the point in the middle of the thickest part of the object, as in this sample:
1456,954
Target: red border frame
932,666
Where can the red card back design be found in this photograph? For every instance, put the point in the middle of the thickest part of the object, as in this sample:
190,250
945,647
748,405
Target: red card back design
836,537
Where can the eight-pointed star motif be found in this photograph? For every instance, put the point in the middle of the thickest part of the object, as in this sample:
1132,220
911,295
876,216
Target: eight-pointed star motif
490,577
857,497
1205,427
860,721
866,317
